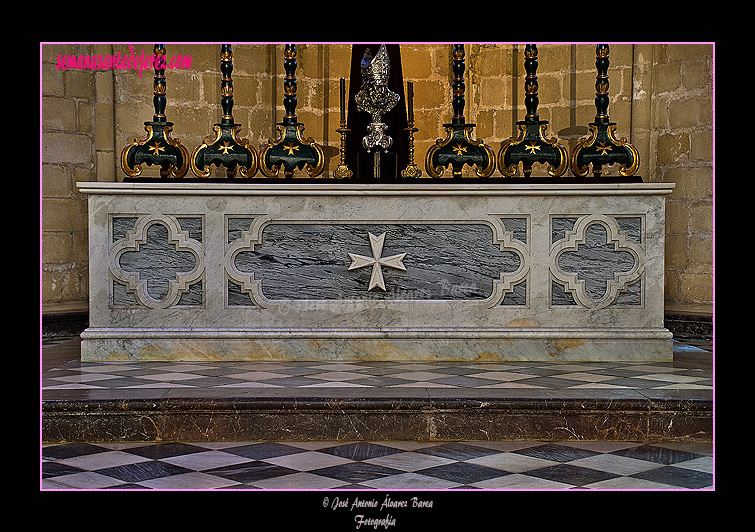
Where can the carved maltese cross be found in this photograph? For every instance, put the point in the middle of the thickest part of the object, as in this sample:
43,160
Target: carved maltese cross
360,261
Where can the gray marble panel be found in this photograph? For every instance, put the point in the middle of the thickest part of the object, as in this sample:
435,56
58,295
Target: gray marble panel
191,225
122,297
236,226
237,298
596,261
559,295
193,296
443,261
518,295
157,261
631,226
632,296
560,227
518,228
122,224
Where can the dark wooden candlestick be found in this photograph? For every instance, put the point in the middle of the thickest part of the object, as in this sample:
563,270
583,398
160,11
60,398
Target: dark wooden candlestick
458,148
157,147
290,150
226,149
602,147
531,146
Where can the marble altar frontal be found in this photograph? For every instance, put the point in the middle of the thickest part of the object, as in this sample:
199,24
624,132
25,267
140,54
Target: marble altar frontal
321,270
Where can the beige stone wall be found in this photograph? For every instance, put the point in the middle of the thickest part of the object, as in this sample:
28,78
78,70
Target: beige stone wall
660,98
682,135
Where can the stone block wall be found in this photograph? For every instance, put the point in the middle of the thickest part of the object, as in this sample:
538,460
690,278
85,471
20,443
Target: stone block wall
660,97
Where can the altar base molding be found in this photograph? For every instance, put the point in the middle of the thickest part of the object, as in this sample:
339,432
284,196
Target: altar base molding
187,271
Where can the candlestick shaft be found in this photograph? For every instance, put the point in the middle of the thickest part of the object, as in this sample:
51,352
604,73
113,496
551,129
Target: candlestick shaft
601,84
226,83
159,99
458,84
410,100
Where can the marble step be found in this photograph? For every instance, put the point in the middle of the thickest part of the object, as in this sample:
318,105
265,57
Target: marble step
434,416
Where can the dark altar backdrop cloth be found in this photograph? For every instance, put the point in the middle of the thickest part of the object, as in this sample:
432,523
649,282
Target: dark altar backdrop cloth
395,119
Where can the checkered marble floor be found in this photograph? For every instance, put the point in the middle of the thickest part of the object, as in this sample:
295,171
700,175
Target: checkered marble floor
378,466
216,377
382,465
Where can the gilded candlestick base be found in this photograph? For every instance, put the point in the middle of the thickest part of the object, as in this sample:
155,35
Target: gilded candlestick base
603,148
411,170
226,150
531,147
156,148
290,151
458,149
343,171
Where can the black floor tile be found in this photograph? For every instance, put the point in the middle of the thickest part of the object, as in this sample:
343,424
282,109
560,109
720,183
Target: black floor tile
457,451
555,452
141,471
554,382
382,382
677,476
296,371
356,472
294,381
464,381
55,469
657,454
636,382
261,451
251,471
462,472
69,450
165,450
359,450
570,474
120,382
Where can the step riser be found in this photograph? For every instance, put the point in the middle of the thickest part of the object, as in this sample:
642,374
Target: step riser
679,422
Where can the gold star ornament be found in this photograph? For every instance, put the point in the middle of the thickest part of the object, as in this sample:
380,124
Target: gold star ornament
156,149
604,148
532,147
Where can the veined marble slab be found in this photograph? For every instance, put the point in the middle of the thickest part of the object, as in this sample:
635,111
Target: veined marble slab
337,271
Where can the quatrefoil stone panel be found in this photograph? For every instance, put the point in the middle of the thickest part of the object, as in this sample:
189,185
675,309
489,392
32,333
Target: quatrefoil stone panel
597,260
157,261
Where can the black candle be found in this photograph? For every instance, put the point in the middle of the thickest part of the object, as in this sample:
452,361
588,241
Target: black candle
410,99
343,99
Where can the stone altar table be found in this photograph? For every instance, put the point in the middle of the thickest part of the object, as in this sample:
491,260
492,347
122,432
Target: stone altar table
323,270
